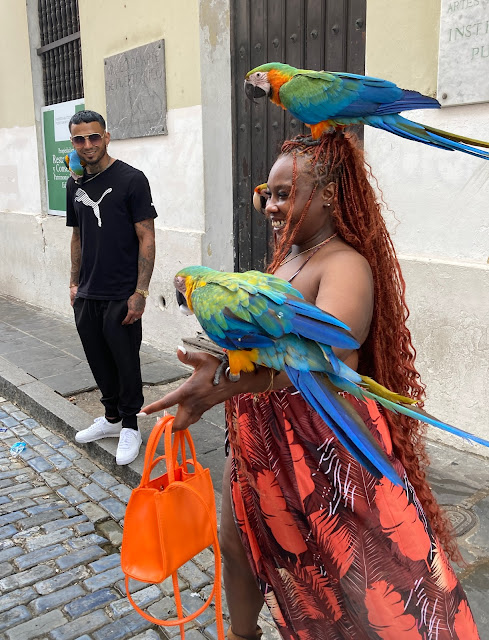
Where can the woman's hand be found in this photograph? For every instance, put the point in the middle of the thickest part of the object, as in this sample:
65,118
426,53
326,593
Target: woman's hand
198,394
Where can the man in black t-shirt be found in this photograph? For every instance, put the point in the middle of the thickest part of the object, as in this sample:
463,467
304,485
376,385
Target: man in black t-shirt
112,257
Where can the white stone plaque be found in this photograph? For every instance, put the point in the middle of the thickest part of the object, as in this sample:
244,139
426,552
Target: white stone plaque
463,61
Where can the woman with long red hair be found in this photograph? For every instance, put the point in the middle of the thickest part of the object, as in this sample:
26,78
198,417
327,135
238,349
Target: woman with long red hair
334,552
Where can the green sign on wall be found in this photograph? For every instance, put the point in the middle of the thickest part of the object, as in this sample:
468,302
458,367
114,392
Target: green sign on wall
57,145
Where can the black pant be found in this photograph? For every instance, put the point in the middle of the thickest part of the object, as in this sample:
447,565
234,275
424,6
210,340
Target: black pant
112,351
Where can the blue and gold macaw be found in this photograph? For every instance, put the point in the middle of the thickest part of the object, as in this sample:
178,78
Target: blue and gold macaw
74,164
261,320
323,100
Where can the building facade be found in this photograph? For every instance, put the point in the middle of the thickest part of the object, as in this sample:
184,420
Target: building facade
437,207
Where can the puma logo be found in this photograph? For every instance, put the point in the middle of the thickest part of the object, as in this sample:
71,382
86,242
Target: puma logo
82,196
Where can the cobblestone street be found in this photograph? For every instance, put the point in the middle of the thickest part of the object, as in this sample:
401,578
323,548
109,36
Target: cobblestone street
61,520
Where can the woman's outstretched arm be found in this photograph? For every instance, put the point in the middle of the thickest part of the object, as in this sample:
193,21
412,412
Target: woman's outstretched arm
198,393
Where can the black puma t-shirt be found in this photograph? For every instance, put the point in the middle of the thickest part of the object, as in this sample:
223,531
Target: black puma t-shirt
105,208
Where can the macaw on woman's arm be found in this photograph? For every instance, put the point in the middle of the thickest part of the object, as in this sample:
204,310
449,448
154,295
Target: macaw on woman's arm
262,321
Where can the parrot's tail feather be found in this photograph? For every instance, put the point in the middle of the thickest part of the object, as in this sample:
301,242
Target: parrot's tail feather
457,138
427,135
311,399
410,100
381,391
344,421
350,374
386,398
423,416
330,358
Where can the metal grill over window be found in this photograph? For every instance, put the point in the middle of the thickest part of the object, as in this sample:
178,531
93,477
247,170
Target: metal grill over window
60,50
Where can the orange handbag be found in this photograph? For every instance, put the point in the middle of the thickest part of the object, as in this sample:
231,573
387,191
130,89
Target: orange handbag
169,520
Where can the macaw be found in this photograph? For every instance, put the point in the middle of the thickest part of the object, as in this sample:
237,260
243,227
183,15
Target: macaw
323,99
261,320
259,200
74,164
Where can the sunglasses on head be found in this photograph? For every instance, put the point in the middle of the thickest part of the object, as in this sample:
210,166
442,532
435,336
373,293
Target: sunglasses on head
95,138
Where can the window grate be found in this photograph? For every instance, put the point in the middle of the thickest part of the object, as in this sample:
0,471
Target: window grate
60,50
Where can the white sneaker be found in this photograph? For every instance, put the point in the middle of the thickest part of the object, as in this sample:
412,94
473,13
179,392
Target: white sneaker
128,448
101,428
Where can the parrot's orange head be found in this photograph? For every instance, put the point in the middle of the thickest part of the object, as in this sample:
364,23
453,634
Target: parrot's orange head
266,80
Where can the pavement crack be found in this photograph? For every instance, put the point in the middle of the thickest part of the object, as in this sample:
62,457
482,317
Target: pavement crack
472,500
468,571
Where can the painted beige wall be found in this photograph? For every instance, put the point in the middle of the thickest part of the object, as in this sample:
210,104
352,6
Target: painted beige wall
16,100
115,26
402,42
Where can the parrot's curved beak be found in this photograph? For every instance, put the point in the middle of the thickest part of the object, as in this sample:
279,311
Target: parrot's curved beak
181,287
182,303
253,91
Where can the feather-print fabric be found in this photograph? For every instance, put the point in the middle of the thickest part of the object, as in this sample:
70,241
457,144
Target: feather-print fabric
337,554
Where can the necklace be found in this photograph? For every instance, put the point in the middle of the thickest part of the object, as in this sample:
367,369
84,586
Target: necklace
316,246
111,162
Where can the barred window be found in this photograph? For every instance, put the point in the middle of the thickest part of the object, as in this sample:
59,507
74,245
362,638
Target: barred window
60,50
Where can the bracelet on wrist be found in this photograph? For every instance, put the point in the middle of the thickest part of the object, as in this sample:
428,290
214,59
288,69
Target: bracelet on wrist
73,285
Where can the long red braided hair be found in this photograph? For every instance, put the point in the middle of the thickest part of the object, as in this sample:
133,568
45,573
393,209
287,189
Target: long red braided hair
388,354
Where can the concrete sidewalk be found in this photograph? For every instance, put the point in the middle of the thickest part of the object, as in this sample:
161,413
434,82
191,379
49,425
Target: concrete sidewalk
43,367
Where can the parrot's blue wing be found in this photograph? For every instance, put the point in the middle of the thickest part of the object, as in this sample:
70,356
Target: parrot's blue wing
317,96
239,319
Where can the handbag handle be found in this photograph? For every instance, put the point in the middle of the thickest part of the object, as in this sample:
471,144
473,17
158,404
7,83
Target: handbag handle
151,445
170,461
163,426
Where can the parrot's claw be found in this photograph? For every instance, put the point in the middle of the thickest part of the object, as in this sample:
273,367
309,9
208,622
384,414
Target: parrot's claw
233,377
219,371
224,368
310,141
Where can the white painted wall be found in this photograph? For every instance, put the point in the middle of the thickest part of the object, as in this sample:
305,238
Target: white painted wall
35,248
173,166
449,305
19,172
439,221
441,198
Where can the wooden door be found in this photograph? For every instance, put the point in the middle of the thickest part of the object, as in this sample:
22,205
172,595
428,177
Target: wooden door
308,34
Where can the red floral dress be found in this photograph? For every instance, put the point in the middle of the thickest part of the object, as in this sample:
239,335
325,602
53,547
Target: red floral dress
337,553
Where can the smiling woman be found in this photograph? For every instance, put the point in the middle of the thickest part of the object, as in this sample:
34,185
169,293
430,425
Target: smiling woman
334,551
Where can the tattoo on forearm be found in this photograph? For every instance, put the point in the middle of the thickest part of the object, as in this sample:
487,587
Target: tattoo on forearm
147,224
147,250
75,257
146,261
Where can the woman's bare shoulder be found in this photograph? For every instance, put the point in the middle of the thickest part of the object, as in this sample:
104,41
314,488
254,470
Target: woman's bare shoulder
344,260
